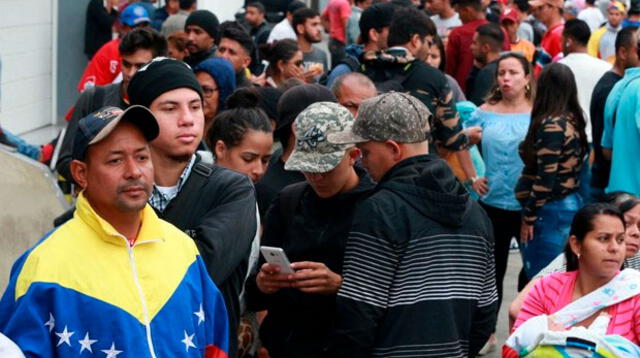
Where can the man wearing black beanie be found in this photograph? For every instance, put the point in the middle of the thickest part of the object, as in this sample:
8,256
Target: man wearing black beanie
216,207
202,30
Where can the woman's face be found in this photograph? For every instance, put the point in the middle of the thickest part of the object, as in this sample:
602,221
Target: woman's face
511,78
602,251
294,67
211,95
434,58
632,234
250,157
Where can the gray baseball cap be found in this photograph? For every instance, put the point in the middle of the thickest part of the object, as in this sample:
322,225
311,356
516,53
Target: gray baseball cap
390,116
313,153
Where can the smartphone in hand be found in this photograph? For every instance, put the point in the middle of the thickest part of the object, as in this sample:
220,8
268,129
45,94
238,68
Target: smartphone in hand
276,256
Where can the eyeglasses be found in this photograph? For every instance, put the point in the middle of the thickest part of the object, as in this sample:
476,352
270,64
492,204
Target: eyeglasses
208,91
299,63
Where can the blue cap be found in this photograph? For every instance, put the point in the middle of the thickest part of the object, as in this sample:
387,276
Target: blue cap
134,14
98,125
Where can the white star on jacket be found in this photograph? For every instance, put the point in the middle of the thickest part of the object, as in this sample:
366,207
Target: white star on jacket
64,337
200,315
51,322
86,343
188,341
111,352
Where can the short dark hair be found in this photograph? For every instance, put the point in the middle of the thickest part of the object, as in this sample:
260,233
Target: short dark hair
577,30
301,16
186,4
233,31
474,4
295,5
523,5
491,34
258,5
407,22
625,37
144,38
590,2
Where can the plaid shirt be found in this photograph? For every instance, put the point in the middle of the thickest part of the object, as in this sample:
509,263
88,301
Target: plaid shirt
159,200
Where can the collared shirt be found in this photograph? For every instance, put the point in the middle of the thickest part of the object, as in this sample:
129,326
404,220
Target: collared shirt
159,200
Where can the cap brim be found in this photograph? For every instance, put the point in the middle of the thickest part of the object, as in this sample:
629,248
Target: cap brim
313,162
137,115
346,137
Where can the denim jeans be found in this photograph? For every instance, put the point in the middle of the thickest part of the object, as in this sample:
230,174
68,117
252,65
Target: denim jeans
550,233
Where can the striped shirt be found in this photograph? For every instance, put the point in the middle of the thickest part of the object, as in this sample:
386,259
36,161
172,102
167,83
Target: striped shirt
555,291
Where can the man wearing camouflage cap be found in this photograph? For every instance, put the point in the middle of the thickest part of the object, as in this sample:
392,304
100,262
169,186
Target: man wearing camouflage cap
419,269
310,221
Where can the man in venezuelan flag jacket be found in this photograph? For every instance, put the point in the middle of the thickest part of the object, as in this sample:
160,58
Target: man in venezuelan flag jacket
89,289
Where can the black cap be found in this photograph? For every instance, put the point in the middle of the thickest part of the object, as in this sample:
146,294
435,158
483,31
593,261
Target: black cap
207,20
160,75
98,125
376,16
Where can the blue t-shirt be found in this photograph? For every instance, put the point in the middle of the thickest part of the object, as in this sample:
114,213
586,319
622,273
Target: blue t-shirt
624,137
501,136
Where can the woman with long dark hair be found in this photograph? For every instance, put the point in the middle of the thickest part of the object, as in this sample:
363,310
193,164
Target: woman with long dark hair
285,61
553,152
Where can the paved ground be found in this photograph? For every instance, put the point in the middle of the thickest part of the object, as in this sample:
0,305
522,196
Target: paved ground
510,286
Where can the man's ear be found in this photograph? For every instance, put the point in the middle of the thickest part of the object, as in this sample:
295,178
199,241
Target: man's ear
246,61
79,172
354,155
299,29
394,149
373,35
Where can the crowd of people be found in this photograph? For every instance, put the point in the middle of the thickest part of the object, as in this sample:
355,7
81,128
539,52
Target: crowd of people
394,171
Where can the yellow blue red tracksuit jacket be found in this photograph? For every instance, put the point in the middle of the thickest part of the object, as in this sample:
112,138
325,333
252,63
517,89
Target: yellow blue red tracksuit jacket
83,291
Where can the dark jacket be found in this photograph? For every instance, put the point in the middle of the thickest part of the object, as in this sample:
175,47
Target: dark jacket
397,70
91,100
194,59
218,211
260,34
97,31
308,229
418,270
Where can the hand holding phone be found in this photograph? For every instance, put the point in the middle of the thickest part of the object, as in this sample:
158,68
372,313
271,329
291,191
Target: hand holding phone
277,257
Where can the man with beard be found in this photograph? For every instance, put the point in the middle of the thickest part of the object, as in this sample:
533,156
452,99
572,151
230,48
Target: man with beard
485,47
202,30
308,27
115,278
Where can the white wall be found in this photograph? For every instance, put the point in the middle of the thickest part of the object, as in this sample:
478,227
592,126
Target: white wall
26,51
224,9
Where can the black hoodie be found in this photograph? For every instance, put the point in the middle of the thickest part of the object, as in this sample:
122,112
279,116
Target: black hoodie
418,271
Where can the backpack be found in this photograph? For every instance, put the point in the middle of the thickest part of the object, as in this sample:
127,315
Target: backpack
387,79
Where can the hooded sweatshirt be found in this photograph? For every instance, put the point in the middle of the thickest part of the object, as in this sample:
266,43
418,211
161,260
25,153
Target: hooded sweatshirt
418,274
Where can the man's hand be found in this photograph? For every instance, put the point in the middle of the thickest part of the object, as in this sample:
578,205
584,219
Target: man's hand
315,277
270,280
474,134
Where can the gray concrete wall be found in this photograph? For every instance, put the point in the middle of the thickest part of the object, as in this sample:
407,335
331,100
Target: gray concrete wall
71,57
29,201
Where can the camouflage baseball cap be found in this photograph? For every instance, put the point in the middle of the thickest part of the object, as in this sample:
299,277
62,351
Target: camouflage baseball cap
390,116
313,153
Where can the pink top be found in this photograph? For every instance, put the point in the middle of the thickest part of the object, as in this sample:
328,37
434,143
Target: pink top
553,292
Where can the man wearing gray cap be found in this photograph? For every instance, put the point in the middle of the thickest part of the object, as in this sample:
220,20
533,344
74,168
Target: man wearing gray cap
310,221
418,269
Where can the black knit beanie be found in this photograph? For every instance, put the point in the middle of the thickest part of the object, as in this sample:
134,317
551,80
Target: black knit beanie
159,76
205,19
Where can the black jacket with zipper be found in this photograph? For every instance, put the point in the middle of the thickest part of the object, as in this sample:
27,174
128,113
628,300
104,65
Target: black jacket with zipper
418,277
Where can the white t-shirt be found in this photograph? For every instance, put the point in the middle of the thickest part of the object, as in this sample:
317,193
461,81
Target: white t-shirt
168,191
593,17
445,26
282,30
587,71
